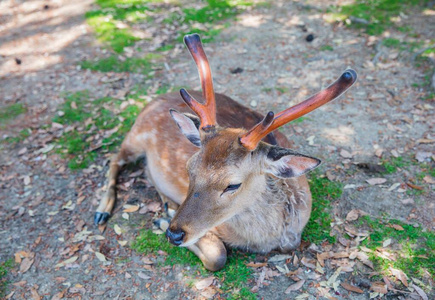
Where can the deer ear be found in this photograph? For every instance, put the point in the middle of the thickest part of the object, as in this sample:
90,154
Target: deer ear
189,126
286,163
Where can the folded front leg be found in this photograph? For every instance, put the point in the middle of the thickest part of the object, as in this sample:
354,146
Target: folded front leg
211,251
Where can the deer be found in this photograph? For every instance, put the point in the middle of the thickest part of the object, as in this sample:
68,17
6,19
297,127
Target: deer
229,179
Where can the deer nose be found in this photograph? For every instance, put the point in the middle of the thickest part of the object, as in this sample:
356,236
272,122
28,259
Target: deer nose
175,237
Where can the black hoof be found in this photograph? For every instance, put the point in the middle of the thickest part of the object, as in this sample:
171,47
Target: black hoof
101,218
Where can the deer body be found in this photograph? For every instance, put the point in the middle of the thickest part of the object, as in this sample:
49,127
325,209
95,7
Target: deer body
228,185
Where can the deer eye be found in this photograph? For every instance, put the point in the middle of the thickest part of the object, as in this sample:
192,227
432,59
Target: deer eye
232,187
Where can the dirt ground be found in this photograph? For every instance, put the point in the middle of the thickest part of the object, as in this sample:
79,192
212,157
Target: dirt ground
46,210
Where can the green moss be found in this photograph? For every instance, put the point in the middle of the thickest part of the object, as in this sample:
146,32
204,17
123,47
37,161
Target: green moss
414,248
395,163
391,43
326,48
100,115
112,23
234,275
10,112
323,192
4,269
149,243
22,135
165,48
130,64
214,12
379,14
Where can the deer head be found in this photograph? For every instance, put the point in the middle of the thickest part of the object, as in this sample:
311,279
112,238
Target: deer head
229,171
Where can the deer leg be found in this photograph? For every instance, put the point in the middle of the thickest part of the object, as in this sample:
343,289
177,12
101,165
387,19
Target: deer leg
211,251
169,205
105,207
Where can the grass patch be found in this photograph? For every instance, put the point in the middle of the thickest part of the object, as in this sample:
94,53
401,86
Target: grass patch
22,135
415,253
326,48
4,269
112,21
91,122
130,64
213,12
392,43
395,163
323,192
379,14
10,112
233,277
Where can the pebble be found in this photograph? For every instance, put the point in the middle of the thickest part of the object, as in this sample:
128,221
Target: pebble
253,103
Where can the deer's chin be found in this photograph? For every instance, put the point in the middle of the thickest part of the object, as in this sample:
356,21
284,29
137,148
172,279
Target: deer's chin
189,240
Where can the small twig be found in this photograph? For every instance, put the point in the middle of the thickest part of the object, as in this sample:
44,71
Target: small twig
378,52
421,51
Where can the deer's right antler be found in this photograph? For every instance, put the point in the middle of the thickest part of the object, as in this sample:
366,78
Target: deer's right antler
251,139
207,111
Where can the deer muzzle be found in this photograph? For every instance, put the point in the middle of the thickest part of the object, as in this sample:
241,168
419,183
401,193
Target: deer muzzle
175,237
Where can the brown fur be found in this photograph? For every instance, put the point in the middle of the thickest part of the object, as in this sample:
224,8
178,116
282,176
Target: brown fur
269,213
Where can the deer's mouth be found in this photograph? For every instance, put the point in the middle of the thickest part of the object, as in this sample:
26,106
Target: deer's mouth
181,238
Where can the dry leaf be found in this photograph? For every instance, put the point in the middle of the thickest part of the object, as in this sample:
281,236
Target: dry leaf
365,259
352,215
379,287
373,181
154,207
147,261
386,243
125,216
422,294
131,208
256,265
308,263
122,243
425,141
26,180
19,255
100,256
429,179
310,140
421,156
397,227
278,258
400,275
352,288
117,229
58,296
415,187
26,264
294,287
345,154
66,262
143,275
206,282
34,293
378,152
80,199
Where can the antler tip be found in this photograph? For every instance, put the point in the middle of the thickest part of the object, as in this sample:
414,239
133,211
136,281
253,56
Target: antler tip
268,118
192,38
349,76
186,96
